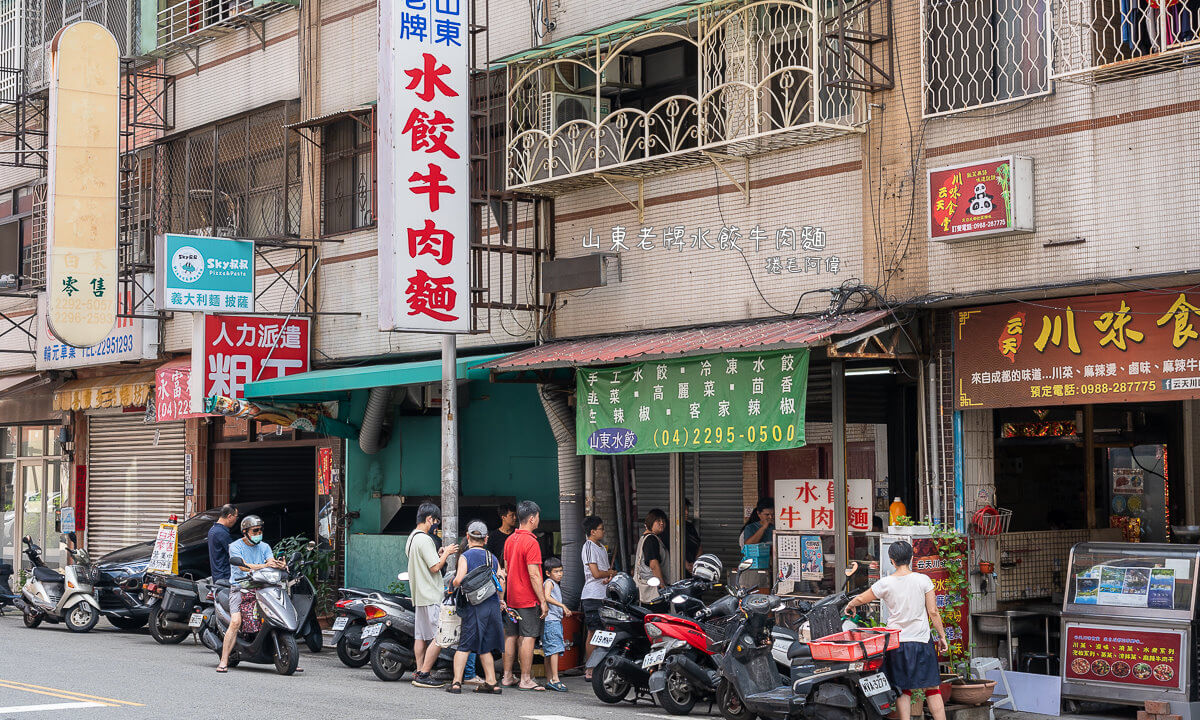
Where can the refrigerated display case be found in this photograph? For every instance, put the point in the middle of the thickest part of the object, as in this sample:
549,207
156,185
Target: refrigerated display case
1129,627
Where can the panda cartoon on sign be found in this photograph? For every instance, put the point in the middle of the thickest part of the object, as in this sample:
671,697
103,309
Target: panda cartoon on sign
981,203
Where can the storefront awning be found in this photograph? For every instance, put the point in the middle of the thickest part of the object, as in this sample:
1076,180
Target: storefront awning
108,391
769,335
17,383
322,382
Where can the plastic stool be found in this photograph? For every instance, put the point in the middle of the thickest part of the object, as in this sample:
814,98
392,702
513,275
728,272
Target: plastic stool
983,666
1049,662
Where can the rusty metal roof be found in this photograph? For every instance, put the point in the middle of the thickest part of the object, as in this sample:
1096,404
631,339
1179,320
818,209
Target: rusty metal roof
762,335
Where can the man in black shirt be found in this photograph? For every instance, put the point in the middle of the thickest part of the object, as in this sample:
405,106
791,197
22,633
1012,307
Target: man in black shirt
219,538
508,523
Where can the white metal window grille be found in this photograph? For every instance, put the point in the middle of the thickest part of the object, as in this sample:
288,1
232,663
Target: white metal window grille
978,53
12,49
1109,39
44,18
187,22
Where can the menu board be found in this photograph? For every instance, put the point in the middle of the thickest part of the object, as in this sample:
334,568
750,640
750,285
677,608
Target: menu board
1125,655
1117,586
926,560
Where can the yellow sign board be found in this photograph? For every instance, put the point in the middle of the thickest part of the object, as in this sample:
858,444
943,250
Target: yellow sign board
83,184
164,558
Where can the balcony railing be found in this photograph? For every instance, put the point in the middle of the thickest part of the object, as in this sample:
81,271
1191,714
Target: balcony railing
186,23
1110,39
44,18
12,50
757,80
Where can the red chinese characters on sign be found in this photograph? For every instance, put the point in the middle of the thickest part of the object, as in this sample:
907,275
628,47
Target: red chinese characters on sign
927,560
324,470
986,198
172,391
808,505
230,351
1124,655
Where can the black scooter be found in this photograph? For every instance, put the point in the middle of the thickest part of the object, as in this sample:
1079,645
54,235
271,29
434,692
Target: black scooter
753,687
177,606
389,637
304,599
8,597
352,618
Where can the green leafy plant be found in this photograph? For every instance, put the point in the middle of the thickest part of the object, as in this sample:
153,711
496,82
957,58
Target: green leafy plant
318,564
398,587
903,521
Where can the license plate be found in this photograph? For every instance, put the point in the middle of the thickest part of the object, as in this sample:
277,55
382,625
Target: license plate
654,658
371,631
603,638
196,620
874,684
340,623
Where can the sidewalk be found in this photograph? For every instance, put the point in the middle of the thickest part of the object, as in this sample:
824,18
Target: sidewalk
1101,713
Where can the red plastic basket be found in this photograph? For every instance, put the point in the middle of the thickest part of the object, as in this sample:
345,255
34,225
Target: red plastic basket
854,645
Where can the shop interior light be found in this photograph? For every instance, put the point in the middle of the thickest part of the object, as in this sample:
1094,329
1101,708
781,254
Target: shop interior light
871,371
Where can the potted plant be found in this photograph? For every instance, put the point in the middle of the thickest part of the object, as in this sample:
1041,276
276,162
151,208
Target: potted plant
917,703
967,689
907,526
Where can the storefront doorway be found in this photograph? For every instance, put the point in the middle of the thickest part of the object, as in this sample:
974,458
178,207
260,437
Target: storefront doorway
283,481
32,487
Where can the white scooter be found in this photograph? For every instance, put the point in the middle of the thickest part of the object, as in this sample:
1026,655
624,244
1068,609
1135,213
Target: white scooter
67,597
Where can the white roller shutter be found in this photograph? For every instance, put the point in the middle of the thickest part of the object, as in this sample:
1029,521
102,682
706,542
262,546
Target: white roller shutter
135,479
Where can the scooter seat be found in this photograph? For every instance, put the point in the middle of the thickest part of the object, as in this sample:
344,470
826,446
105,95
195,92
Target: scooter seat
799,651
45,574
401,600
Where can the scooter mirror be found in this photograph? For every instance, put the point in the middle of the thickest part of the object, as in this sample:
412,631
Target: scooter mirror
745,565
312,545
402,577
654,582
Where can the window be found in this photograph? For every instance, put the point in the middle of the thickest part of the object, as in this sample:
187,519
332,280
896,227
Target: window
33,486
983,52
16,239
349,174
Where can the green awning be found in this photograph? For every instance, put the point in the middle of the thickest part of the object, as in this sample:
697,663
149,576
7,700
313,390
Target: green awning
317,383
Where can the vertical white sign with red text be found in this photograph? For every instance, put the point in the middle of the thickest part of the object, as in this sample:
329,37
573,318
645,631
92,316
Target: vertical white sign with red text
229,351
424,149
807,505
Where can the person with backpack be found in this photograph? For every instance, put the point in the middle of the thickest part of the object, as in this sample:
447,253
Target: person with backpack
425,563
482,618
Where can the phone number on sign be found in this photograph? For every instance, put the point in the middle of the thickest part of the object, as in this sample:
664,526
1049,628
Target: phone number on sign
1070,389
722,435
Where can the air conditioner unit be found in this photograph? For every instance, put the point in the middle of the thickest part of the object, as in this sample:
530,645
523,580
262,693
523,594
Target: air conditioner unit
561,108
624,72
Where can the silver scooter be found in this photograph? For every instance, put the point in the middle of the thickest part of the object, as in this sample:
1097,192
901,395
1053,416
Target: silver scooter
65,597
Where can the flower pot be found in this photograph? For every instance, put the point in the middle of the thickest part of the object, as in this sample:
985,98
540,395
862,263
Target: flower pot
946,686
971,693
987,568
910,530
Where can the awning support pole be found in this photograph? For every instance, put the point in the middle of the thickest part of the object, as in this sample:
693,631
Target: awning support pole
837,371
449,441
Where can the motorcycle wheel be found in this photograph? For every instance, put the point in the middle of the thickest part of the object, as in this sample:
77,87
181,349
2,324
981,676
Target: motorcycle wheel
608,686
350,656
162,634
82,618
386,661
124,623
730,704
287,653
679,698
314,640
32,619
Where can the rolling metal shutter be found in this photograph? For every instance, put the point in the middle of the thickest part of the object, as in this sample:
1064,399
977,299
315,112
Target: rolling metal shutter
721,516
135,479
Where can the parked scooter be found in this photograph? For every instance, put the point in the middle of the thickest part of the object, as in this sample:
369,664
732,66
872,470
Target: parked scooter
752,686
177,606
275,641
54,597
8,596
120,599
352,618
304,598
388,637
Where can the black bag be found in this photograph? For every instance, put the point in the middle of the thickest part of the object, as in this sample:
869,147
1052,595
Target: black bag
478,584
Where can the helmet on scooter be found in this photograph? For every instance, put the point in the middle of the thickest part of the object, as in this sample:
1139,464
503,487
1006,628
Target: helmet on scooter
708,568
621,589
251,521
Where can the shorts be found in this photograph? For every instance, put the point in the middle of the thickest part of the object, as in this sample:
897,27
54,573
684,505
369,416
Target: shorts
591,613
552,638
529,626
425,625
235,599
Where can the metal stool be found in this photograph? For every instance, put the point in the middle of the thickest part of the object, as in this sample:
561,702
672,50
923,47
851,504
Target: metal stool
1049,662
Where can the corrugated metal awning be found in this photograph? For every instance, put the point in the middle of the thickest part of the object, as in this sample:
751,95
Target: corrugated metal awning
108,391
766,335
327,118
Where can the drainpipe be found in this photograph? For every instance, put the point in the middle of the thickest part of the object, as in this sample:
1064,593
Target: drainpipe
372,424
934,446
570,490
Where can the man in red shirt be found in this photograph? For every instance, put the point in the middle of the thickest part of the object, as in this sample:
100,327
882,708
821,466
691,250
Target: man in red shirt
524,595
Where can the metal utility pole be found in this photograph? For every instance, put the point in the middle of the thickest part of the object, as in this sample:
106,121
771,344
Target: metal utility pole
449,440
837,371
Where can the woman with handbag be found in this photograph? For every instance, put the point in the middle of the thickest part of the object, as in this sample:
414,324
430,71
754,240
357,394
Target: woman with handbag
482,625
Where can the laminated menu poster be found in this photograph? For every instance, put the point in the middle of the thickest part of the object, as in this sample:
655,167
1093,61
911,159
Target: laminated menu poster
1087,590
1162,588
812,558
1124,587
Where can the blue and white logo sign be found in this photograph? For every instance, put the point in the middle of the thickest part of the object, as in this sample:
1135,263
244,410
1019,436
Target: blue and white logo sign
206,274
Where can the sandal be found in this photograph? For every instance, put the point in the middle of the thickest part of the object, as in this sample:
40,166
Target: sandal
455,688
486,689
222,669
556,687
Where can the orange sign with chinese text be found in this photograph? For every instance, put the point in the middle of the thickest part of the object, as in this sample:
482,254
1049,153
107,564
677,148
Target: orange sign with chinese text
1126,347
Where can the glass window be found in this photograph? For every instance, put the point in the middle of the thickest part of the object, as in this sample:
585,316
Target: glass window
1132,577
55,447
349,175
33,440
8,442
8,513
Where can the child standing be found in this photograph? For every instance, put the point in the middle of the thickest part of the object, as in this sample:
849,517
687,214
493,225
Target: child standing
552,630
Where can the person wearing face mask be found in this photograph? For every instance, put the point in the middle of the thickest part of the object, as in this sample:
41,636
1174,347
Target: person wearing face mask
425,563
254,554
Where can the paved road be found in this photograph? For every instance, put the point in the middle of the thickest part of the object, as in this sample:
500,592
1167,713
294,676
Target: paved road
52,673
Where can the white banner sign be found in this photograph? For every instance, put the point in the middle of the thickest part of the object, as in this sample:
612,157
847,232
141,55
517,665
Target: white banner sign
807,505
131,339
424,191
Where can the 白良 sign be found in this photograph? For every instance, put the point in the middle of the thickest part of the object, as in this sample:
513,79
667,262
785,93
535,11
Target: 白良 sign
205,274
993,197
424,194
724,403
1127,347
229,351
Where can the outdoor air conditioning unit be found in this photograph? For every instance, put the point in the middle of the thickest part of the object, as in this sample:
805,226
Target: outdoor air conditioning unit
624,72
561,108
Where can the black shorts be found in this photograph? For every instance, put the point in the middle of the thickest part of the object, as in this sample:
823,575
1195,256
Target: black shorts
530,625
591,613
